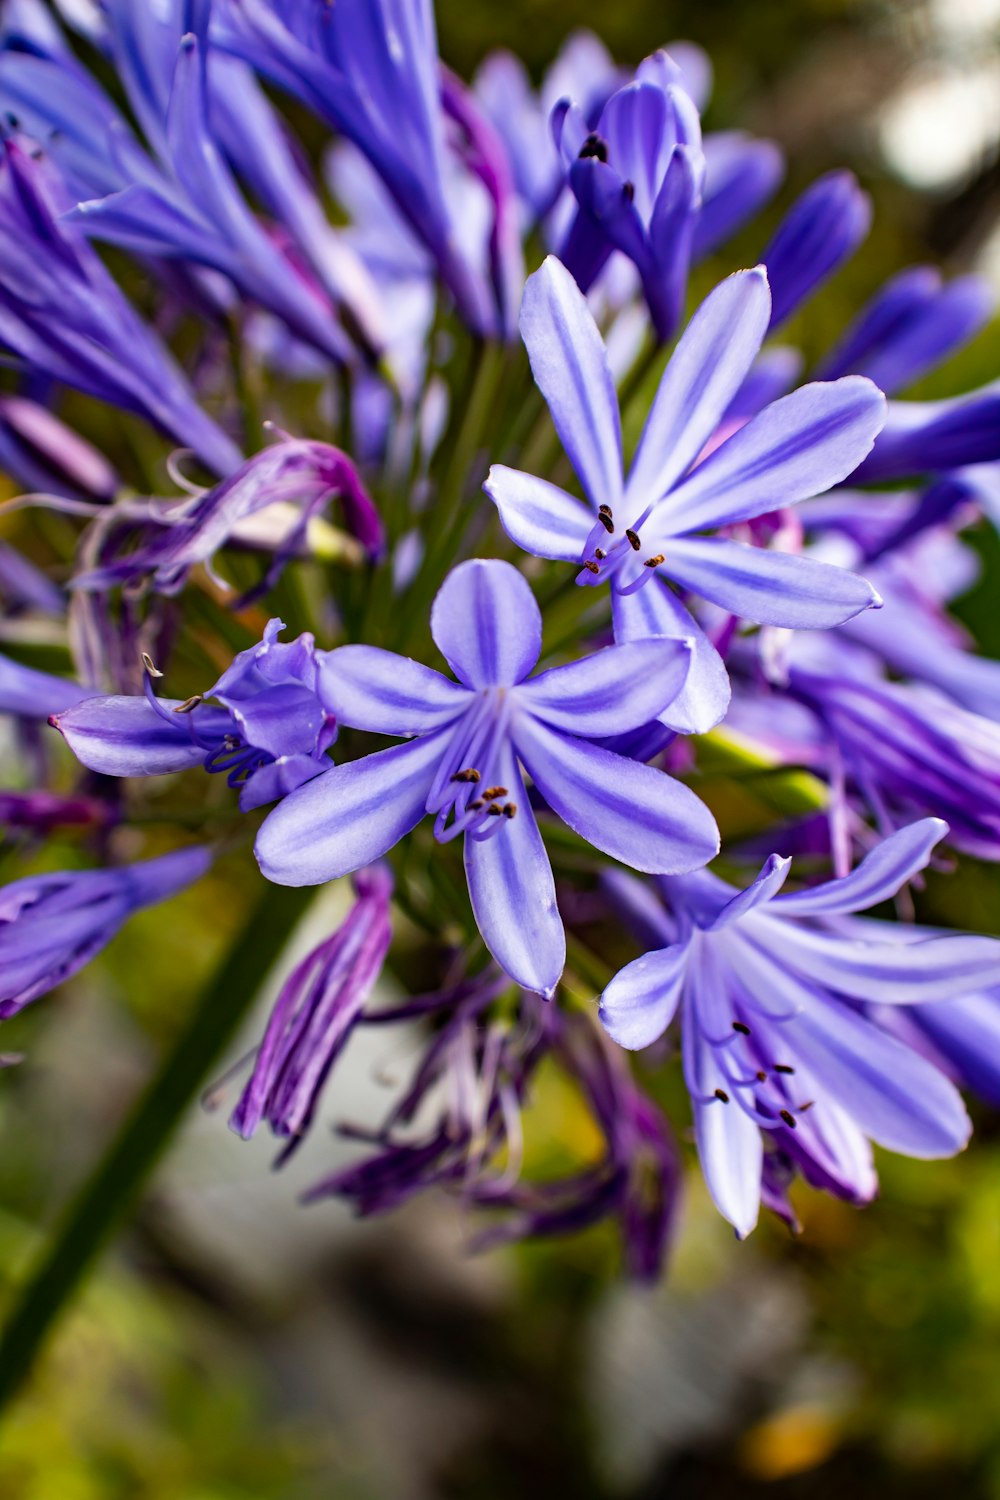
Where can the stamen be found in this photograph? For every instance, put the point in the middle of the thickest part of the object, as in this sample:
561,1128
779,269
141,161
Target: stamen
789,1118
633,540
808,1105
591,566
189,704
605,517
600,554
477,804
494,810
761,1076
469,774
510,809
593,146
741,1027
654,562
493,792
147,662
783,1068
628,191
721,1094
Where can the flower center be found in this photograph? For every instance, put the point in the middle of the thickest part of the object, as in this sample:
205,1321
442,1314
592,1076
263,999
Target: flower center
616,553
468,794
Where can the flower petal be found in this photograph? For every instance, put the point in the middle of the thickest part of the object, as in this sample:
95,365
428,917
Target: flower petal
730,1148
120,736
877,878
641,1001
570,366
656,610
705,371
612,691
486,624
770,880
773,588
633,812
539,516
799,446
387,694
514,896
350,815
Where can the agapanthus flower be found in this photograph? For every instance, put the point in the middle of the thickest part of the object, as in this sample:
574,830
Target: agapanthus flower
52,925
638,533
266,724
462,766
28,693
925,437
770,993
315,1013
821,230
64,317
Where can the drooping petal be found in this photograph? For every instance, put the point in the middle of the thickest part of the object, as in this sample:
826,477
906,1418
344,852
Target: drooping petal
641,1001
656,610
612,691
797,447
773,588
570,367
705,371
768,883
538,516
368,688
877,878
350,815
486,624
120,736
513,894
633,812
730,1148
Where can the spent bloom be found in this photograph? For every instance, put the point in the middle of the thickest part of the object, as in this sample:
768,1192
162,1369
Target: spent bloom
770,991
462,767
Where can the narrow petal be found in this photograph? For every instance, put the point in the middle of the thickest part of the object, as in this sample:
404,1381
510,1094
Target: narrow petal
877,878
539,516
121,736
633,812
656,610
730,1148
570,366
486,624
641,1001
350,815
773,588
514,895
797,447
705,371
610,692
768,883
387,694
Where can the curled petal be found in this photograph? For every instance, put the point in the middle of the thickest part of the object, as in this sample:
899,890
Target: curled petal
877,878
641,1001
539,516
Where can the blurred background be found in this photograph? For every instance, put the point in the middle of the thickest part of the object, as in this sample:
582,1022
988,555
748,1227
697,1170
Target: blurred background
234,1346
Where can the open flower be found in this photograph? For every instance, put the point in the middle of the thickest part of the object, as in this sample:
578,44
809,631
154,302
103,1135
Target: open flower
771,993
638,533
462,767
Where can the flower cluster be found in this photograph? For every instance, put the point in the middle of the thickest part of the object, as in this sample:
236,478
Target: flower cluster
533,634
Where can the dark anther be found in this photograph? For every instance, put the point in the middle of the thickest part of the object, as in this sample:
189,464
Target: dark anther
654,562
509,809
633,540
628,191
605,518
591,566
594,146
783,1068
477,804
600,554
808,1105
743,1029
147,662
469,774
495,810
189,704
492,792
721,1094
788,1118
761,1076
231,741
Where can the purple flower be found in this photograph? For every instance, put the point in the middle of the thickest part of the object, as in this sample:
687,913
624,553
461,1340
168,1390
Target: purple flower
29,694
51,925
64,317
166,540
821,230
924,437
462,765
41,453
314,1015
639,532
269,734
770,991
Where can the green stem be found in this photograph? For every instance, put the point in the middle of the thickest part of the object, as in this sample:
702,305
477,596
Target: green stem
106,1199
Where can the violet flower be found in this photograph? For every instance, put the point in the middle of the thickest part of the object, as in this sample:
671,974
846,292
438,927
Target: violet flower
314,1015
924,437
770,993
641,531
28,693
52,925
268,735
821,230
462,765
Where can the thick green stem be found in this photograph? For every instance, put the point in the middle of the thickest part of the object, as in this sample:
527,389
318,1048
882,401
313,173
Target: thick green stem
147,1130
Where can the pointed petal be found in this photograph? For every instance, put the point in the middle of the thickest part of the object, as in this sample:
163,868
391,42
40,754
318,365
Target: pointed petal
730,1148
705,371
486,624
768,883
120,736
656,610
877,878
773,588
799,446
350,815
513,894
539,516
641,1001
387,694
610,692
633,812
570,366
